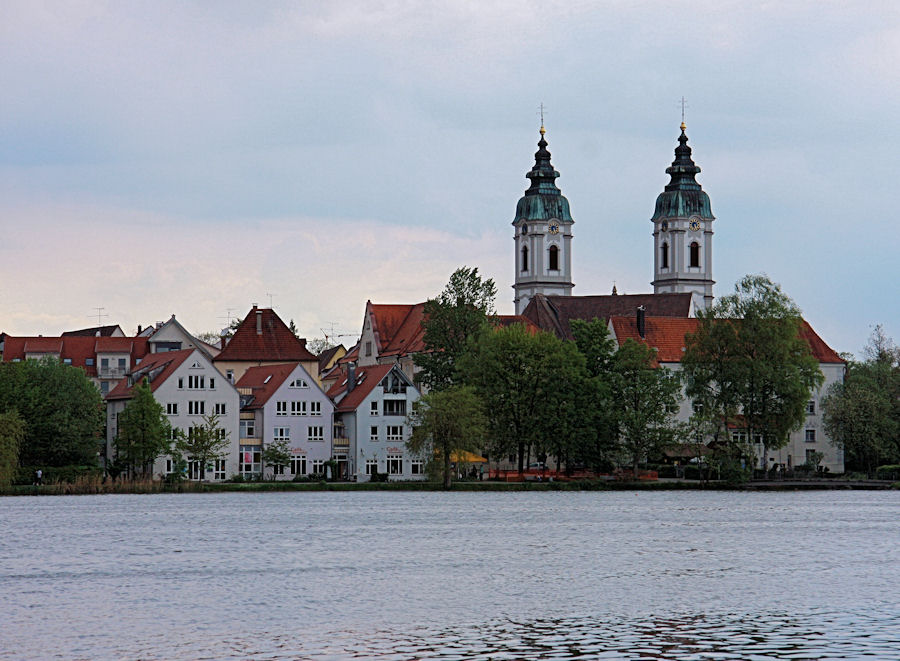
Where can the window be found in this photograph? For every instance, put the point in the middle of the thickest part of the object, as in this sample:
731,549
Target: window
373,433
196,382
250,459
196,407
524,258
395,433
394,464
417,467
281,408
395,407
89,362
810,435
664,256
297,408
368,348
298,383
695,254
248,428
229,374
281,433
219,470
554,258
220,409
172,408
104,387
315,408
373,409
393,383
298,464
811,456
318,466
67,361
170,466
315,433
277,469
121,364
371,466
174,433
180,380
212,383
811,407
739,436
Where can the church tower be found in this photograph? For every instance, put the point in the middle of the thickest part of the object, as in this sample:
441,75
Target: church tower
682,231
543,239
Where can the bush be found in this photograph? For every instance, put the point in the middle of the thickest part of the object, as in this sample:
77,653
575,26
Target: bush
57,474
888,472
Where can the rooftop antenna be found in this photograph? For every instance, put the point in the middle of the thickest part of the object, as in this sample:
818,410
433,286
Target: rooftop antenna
100,314
271,296
228,316
331,334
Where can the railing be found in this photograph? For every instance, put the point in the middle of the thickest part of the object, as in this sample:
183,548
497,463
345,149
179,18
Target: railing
111,372
340,442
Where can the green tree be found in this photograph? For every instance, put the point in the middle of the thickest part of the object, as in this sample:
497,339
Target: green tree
447,422
646,401
12,435
595,407
458,314
62,409
748,358
204,443
277,455
144,432
529,384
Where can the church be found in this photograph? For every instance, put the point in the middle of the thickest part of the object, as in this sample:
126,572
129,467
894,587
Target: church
682,284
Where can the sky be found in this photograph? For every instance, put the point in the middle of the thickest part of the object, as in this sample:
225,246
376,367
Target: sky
197,158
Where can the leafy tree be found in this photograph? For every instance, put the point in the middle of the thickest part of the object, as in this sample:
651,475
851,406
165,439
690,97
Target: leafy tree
529,383
62,409
144,431
12,434
319,344
646,401
459,313
277,455
293,328
593,341
445,422
204,443
748,357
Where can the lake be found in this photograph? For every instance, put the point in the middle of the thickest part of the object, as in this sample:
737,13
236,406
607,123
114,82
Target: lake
413,575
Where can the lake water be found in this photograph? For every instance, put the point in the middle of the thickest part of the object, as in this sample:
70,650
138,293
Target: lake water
409,575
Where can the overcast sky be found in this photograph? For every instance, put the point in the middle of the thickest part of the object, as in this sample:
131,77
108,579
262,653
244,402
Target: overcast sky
197,157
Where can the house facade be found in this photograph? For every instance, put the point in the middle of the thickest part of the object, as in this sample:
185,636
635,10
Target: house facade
284,403
189,387
370,424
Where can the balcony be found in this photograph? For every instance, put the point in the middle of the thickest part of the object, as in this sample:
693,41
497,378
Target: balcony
340,442
111,372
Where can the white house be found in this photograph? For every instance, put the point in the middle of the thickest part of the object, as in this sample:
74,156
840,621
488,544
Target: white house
370,423
284,402
189,387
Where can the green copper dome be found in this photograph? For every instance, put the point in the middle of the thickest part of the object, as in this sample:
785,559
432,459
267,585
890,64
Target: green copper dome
543,200
683,196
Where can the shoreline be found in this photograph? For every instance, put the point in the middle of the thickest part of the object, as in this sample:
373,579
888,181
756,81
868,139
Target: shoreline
501,487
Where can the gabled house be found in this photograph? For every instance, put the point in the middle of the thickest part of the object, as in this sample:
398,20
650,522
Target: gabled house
187,384
172,336
105,359
283,402
263,339
370,423
667,336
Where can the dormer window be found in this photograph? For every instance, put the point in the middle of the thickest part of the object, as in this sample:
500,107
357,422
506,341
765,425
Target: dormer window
298,383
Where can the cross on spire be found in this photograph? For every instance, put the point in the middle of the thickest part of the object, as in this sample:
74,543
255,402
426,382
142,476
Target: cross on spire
541,112
683,106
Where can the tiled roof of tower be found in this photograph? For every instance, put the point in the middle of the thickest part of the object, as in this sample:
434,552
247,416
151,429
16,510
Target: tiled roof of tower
667,336
166,361
264,381
76,349
366,380
552,313
264,336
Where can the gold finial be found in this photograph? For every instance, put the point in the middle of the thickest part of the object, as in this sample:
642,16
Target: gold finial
683,126
543,130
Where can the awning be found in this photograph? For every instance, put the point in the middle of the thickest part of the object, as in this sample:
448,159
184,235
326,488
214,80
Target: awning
465,457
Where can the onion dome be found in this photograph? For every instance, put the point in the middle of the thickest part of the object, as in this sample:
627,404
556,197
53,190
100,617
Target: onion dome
683,196
543,200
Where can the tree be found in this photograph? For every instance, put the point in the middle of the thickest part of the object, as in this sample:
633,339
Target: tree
12,434
594,343
277,455
204,443
529,384
293,328
458,314
62,409
748,358
447,422
144,432
319,344
646,401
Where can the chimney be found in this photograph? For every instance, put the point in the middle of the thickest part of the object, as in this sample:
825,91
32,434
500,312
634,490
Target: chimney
351,377
139,329
258,321
641,322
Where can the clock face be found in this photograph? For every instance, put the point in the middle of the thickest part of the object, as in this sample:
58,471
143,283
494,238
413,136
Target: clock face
554,227
664,226
695,224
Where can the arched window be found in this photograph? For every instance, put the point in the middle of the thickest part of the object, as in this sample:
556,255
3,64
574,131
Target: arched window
554,258
664,256
695,254
524,258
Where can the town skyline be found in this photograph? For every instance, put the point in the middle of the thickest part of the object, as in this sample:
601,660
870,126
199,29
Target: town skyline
168,159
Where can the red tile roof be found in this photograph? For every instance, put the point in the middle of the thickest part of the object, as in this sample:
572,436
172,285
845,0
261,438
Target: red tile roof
167,362
366,380
77,349
275,342
552,313
397,328
667,336
264,381
504,320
